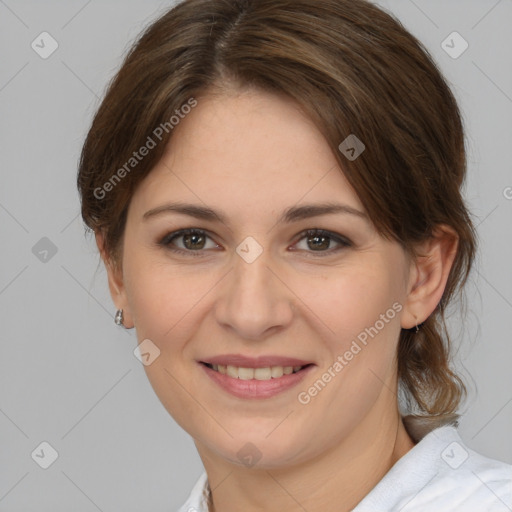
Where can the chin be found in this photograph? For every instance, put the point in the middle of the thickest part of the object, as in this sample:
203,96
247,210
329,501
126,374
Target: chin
260,451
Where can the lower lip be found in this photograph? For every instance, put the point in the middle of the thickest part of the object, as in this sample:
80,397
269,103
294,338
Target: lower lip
254,388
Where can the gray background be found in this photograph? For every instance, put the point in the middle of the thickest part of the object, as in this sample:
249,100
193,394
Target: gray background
68,375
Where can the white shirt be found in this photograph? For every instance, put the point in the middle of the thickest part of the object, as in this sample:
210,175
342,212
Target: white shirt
439,474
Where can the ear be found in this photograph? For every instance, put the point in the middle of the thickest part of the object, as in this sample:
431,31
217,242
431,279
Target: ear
430,269
115,281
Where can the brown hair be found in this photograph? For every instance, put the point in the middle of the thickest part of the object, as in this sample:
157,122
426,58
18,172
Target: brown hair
353,69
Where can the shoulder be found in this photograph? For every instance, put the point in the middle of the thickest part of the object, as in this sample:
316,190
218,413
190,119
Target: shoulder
441,473
467,479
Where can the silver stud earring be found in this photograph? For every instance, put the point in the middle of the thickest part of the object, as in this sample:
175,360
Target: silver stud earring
118,319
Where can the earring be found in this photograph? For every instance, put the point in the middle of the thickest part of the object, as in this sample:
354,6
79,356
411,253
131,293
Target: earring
417,330
118,319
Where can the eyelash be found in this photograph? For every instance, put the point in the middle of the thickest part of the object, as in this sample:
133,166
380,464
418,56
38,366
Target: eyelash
343,242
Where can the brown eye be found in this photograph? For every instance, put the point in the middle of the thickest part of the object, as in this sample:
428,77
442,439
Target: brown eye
194,241
321,242
318,242
188,240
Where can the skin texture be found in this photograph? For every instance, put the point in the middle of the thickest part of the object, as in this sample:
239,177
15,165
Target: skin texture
251,155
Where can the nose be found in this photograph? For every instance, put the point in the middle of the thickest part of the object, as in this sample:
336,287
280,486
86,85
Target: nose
254,302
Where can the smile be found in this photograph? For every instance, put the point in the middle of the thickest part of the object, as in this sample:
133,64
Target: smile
256,379
244,373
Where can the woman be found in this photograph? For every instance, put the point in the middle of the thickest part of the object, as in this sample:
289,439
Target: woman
274,186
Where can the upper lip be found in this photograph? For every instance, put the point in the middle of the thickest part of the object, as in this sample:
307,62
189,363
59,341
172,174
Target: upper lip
254,362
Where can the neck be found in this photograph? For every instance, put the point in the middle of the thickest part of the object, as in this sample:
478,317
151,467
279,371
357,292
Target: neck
336,480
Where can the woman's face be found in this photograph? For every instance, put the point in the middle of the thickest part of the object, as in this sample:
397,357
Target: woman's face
250,176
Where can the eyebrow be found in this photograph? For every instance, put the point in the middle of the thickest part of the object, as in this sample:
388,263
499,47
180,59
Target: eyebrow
292,214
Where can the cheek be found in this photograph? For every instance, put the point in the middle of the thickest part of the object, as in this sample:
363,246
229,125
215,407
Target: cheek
350,302
360,312
162,296
165,304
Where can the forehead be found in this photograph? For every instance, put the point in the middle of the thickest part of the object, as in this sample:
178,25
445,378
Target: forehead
250,152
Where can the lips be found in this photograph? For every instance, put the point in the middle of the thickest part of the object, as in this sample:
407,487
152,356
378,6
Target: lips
255,377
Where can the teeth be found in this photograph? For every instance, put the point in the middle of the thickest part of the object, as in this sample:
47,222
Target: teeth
232,371
267,373
263,373
276,372
245,373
